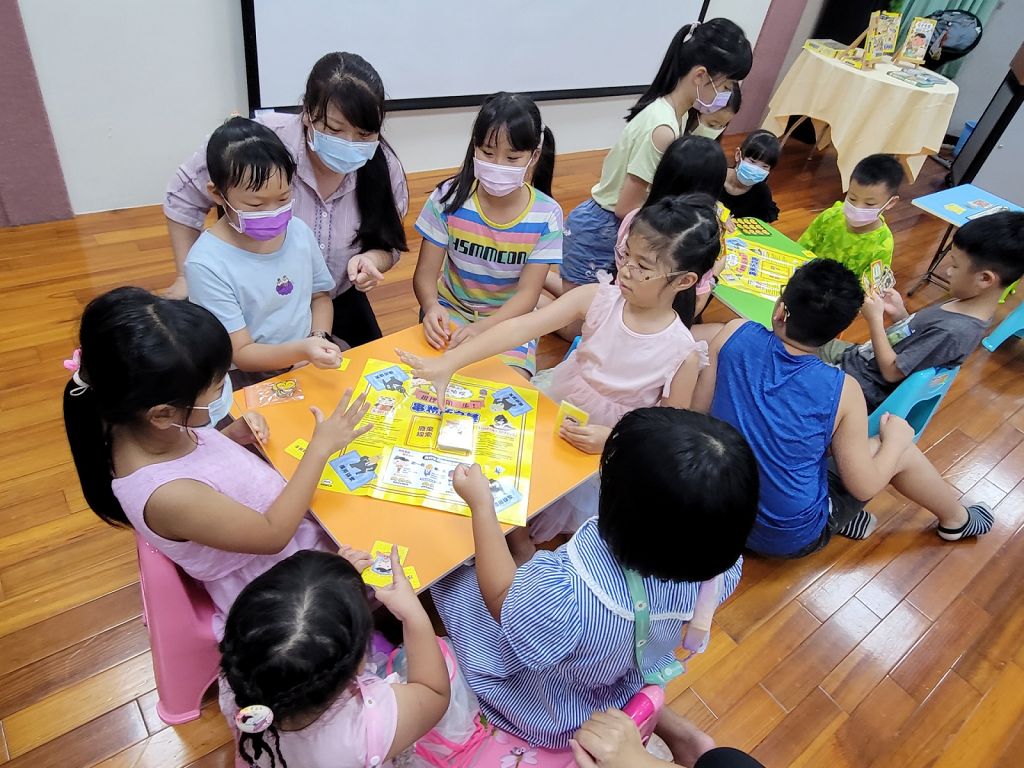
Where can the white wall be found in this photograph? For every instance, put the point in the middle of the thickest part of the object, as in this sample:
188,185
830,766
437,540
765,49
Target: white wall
131,87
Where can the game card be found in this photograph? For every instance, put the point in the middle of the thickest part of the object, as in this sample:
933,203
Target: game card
380,573
354,469
298,448
569,412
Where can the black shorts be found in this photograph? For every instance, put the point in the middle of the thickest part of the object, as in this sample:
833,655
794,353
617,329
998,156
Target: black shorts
842,508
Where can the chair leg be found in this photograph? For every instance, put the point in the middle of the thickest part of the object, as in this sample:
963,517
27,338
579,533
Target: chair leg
998,336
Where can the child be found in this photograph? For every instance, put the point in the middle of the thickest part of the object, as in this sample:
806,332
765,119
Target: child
794,409
152,376
545,645
713,125
746,192
987,256
257,269
294,676
490,234
853,232
699,71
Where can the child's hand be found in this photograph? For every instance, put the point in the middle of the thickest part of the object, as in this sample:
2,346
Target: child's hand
359,559
465,333
893,304
873,307
435,326
609,740
322,353
363,271
258,425
339,429
589,439
436,370
894,430
471,485
729,224
399,597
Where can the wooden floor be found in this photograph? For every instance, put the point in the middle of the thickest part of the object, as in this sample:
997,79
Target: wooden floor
900,650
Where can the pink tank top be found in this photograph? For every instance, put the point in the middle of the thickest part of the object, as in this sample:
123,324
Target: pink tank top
230,469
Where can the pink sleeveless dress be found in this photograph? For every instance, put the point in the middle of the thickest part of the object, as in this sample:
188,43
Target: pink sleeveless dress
228,468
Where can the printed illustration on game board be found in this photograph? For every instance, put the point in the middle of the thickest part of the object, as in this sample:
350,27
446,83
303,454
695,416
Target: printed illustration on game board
412,451
758,269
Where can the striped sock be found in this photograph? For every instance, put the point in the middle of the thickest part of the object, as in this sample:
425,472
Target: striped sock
860,527
979,521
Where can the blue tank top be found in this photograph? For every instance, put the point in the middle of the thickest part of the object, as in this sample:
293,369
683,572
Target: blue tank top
785,405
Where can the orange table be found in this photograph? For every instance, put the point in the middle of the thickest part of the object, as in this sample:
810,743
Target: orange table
438,541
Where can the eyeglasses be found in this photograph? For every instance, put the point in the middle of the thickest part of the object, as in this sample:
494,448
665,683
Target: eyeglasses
634,271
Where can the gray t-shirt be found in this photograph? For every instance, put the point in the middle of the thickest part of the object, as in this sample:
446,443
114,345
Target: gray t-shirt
931,338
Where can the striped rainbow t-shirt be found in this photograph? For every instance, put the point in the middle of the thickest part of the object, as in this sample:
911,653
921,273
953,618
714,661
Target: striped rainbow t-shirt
484,259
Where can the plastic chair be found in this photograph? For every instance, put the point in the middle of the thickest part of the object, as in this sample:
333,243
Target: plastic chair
178,613
1012,325
916,399
1010,290
572,348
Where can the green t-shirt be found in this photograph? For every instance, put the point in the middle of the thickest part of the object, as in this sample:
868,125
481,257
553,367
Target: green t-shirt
634,152
830,238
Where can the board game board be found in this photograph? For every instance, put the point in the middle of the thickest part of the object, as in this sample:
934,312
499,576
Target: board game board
758,269
399,459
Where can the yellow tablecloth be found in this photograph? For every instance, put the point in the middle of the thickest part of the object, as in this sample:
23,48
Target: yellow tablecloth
863,112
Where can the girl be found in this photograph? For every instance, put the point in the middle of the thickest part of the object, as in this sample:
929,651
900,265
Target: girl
294,678
349,188
258,269
582,628
746,190
699,71
714,124
492,235
152,375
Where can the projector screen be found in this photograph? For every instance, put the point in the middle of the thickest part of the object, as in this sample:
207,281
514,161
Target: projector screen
438,54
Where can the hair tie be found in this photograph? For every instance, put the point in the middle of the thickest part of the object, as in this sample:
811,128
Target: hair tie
255,718
541,145
693,27
75,366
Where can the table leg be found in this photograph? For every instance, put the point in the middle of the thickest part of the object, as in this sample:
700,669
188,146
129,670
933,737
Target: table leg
929,276
789,131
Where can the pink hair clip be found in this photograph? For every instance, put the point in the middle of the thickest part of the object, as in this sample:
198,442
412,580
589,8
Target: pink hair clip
75,363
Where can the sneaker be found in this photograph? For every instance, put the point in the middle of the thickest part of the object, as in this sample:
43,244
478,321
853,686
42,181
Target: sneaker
861,526
979,521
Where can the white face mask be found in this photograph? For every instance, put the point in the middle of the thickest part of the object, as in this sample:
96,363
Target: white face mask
706,131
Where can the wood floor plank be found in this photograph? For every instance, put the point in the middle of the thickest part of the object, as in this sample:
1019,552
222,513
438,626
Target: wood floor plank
88,744
222,757
179,746
689,705
719,646
746,724
795,734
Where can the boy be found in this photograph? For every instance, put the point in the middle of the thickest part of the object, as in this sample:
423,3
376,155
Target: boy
853,232
746,192
794,409
987,256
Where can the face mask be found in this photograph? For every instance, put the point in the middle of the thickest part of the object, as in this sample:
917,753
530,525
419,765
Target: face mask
217,410
860,217
749,174
499,180
706,131
342,155
261,225
719,102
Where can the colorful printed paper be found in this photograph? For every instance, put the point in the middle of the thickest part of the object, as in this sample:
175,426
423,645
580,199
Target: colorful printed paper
758,269
381,570
401,460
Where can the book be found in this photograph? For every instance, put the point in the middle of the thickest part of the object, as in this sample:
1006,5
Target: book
880,41
915,44
827,48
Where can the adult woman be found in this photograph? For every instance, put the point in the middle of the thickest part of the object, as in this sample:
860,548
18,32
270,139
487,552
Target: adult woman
349,187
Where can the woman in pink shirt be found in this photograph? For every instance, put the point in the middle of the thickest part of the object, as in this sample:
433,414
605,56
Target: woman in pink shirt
349,187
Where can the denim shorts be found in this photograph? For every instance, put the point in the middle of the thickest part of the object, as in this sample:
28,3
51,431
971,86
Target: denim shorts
588,243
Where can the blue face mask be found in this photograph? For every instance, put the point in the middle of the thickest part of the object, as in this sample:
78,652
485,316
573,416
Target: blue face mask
342,155
749,174
221,407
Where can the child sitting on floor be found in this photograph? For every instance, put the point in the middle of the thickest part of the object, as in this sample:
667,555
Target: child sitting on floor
746,191
987,256
853,231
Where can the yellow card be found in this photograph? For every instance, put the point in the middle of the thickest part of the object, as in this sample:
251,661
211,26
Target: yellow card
954,208
344,364
298,448
410,574
723,213
569,412
380,572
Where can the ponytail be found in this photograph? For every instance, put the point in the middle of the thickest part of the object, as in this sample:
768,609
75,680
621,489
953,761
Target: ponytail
718,45
89,439
544,170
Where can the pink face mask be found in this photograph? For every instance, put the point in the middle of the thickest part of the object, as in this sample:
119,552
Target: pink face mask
861,217
499,180
261,225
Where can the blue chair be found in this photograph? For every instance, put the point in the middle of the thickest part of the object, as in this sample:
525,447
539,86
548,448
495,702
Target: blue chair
572,348
916,399
1012,325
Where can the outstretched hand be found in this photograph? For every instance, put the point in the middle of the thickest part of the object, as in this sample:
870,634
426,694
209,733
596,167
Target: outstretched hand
433,369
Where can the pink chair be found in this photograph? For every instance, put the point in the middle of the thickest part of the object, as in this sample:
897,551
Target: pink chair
178,613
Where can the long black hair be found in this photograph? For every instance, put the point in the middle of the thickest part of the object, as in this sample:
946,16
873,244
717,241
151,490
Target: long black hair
350,84
685,234
718,45
690,164
517,115
294,638
242,151
138,351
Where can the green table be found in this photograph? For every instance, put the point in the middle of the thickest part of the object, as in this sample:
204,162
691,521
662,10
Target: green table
756,308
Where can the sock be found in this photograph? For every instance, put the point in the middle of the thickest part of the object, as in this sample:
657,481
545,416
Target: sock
860,527
979,521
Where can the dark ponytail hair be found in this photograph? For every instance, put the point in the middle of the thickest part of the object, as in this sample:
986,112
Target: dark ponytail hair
684,231
718,45
349,82
690,164
242,151
138,351
294,639
519,117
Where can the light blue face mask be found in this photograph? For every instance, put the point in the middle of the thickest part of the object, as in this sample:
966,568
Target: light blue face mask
749,174
342,155
217,410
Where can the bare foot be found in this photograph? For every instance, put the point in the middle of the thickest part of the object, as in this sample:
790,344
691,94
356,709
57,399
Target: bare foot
686,741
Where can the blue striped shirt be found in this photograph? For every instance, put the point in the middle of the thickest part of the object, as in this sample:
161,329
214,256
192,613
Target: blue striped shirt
564,648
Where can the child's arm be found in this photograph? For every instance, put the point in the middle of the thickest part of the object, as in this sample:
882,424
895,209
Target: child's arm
704,390
680,393
631,196
873,311
189,510
323,313
864,470
524,300
422,701
495,568
251,356
424,284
